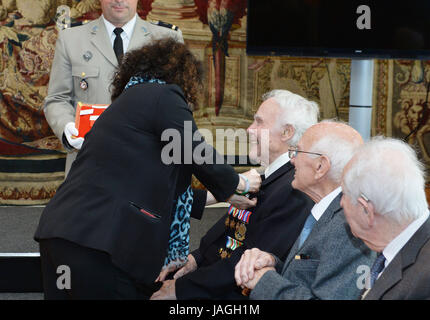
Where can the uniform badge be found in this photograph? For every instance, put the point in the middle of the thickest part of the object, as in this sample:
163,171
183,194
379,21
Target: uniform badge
246,292
94,29
165,24
230,246
240,231
237,220
223,253
232,223
87,56
227,222
83,84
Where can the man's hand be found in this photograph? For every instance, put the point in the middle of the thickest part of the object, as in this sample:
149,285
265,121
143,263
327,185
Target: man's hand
252,260
190,266
254,180
71,133
257,276
166,292
242,202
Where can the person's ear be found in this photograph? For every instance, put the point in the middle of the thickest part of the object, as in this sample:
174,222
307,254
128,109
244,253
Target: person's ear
322,166
368,209
287,132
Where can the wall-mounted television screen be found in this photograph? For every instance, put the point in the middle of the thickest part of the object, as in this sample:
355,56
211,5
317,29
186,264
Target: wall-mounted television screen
339,28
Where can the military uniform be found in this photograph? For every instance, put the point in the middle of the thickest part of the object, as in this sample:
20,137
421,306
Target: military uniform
83,69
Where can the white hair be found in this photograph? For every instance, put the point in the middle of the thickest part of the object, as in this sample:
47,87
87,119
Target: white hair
338,150
388,173
297,111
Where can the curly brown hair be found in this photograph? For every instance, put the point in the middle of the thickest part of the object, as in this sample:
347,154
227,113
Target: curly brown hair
166,60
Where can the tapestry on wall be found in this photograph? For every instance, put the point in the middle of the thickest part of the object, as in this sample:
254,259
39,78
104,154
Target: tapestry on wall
400,104
31,158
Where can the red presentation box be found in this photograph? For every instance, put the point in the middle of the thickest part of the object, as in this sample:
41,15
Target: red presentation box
86,115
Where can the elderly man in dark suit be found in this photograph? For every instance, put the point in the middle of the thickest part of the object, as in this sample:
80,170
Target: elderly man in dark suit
385,205
326,259
275,220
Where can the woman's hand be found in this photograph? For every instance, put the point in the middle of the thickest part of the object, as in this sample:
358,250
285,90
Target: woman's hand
171,267
166,292
242,202
190,266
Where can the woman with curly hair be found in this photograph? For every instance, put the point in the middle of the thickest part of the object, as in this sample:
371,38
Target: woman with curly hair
120,221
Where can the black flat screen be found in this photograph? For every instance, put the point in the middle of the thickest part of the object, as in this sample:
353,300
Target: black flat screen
339,28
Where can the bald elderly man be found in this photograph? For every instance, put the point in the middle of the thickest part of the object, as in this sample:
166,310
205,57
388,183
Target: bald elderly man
385,204
326,259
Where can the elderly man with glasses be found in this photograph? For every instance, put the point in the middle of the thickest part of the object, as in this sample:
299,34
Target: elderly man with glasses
326,260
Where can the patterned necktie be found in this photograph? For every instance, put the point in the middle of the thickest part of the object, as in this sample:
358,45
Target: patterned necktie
377,267
117,44
307,228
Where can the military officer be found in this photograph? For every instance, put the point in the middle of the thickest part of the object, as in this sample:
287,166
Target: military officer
85,60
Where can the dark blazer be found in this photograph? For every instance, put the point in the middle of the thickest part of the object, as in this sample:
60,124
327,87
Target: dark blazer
275,223
328,266
407,277
119,171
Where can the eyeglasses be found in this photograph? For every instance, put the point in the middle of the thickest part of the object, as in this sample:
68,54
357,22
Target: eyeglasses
292,153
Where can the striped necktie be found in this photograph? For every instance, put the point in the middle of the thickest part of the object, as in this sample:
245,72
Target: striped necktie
376,269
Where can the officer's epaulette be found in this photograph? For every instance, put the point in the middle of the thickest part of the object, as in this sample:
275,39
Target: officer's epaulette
77,24
165,24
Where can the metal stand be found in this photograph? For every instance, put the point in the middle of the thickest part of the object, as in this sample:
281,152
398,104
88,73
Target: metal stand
360,98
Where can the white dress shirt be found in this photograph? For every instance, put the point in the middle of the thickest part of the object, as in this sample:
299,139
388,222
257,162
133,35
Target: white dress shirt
320,207
275,165
125,35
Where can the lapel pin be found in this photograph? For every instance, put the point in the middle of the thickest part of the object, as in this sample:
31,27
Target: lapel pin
87,56
145,31
83,84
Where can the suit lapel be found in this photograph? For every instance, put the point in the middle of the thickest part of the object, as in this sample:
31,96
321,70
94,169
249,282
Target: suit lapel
141,34
411,249
328,214
391,275
285,169
277,174
101,41
407,256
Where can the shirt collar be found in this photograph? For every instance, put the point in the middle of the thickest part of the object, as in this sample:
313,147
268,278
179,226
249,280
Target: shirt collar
128,27
320,207
275,165
393,248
